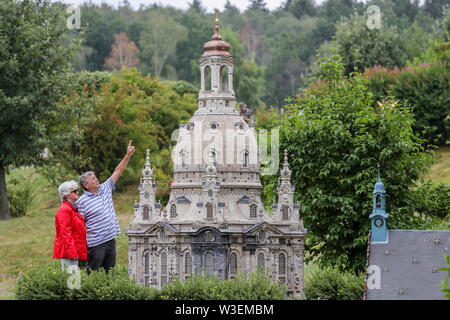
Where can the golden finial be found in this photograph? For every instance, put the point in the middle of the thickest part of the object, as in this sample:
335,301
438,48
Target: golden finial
217,16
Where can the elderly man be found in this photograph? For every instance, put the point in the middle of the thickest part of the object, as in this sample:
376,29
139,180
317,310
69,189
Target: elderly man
96,206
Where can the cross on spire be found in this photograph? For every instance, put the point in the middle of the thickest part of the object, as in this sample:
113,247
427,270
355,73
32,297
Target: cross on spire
378,165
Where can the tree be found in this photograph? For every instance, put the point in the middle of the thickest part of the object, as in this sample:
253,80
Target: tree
190,48
196,6
125,106
257,5
361,47
123,53
159,40
34,62
101,24
248,76
335,138
285,71
301,7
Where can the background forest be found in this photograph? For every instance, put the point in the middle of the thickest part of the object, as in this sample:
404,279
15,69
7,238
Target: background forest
274,51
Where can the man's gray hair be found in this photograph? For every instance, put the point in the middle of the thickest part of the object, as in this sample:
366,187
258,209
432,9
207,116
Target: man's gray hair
83,178
66,188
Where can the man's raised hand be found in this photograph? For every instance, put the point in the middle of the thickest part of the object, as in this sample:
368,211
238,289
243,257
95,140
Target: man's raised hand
130,149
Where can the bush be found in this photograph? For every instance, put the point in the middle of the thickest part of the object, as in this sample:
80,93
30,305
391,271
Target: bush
444,284
19,196
331,284
43,283
432,200
424,88
258,286
51,283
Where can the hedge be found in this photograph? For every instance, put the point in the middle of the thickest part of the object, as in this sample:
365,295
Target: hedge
51,283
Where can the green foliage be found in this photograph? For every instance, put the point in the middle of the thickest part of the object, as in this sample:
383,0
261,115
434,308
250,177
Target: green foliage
335,138
50,283
258,286
158,46
20,197
43,283
444,284
424,88
35,56
331,284
127,106
361,47
432,200
267,118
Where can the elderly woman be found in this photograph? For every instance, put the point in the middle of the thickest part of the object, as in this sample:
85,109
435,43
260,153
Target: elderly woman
70,240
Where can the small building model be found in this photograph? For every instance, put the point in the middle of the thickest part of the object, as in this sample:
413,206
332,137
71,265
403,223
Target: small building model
403,264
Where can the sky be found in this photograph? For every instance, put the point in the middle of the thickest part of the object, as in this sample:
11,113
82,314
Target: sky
210,5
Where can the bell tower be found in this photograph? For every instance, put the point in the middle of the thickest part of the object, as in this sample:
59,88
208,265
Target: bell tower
379,216
216,76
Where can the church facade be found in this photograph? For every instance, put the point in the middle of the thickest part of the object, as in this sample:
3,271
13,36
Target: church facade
215,221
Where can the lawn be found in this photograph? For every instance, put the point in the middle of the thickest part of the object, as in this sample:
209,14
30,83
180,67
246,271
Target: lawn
28,241
440,170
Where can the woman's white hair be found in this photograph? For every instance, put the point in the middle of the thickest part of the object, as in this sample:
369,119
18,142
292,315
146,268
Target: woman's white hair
66,187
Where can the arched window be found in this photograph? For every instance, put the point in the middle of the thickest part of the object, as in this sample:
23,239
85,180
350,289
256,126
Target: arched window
233,264
207,78
245,159
146,212
224,78
378,201
209,211
187,263
285,213
183,156
163,269
209,263
146,263
282,264
253,211
173,211
164,263
261,261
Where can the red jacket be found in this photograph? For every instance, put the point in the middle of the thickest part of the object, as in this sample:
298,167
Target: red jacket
70,239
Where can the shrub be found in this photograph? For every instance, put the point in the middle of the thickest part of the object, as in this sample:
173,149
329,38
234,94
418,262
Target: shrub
331,284
444,284
424,88
51,283
20,197
43,283
432,200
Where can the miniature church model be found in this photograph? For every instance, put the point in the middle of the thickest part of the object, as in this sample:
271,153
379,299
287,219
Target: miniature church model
215,221
403,264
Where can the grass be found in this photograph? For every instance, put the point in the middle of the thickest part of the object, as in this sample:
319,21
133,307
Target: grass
440,170
28,241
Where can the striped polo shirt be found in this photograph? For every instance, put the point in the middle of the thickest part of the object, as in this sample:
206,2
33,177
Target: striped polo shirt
99,215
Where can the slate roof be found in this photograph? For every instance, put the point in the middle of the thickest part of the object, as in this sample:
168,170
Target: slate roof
409,264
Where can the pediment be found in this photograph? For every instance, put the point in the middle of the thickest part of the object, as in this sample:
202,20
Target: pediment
255,229
157,227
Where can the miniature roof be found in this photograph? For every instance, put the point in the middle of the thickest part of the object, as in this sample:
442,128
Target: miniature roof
409,265
216,46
